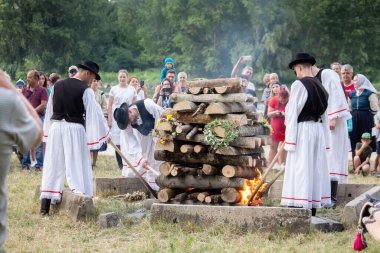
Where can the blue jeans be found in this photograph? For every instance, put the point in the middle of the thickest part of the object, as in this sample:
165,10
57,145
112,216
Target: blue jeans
39,154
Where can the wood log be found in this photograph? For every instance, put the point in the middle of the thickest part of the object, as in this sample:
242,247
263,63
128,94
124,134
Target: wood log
164,126
185,106
208,158
179,170
192,132
166,194
237,119
255,116
227,89
195,90
243,131
206,182
165,168
217,198
202,195
243,142
186,148
212,83
225,108
210,170
183,129
193,196
199,149
230,195
238,171
169,146
235,151
265,140
199,109
211,98
181,197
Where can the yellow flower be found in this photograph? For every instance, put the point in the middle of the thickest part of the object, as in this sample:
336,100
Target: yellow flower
162,141
169,116
158,122
265,121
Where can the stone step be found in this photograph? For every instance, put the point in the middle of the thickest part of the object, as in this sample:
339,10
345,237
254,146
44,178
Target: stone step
118,185
325,224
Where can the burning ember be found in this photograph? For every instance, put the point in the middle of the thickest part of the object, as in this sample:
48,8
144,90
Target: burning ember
249,187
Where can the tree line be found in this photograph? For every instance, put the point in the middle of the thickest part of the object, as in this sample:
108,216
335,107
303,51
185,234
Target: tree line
204,37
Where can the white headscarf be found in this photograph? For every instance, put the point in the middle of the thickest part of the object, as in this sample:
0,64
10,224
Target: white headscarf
364,83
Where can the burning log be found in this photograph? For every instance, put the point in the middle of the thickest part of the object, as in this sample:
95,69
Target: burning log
166,194
199,109
233,82
231,195
209,170
185,106
179,170
217,198
244,131
192,133
208,158
225,108
199,149
237,119
227,89
195,90
198,182
183,129
238,171
211,98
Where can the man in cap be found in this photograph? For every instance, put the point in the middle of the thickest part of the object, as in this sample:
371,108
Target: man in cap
74,124
73,70
306,181
362,157
338,113
138,146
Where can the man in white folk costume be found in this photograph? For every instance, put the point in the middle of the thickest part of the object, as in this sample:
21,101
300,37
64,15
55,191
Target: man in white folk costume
338,113
136,141
74,124
306,181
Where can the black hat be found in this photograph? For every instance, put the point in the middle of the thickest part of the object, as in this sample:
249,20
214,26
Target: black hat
121,115
302,58
91,66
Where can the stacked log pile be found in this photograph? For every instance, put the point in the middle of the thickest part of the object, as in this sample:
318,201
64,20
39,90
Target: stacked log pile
195,172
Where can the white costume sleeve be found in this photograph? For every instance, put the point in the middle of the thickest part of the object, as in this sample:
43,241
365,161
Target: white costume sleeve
153,109
337,103
97,129
297,100
48,114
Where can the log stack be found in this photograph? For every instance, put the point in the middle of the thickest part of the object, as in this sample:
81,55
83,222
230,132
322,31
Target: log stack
193,172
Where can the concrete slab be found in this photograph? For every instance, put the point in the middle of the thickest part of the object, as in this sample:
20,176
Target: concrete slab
107,220
77,206
118,185
113,219
269,219
351,211
325,224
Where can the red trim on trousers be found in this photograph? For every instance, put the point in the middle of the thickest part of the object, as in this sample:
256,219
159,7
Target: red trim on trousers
105,136
339,174
51,191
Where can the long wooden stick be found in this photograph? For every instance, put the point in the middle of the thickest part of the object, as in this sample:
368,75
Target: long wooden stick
268,185
266,173
153,170
133,169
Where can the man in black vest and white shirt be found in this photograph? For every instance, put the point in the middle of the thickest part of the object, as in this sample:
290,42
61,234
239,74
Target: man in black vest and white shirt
136,141
306,181
74,124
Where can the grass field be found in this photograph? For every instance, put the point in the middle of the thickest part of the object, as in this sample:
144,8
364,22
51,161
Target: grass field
28,232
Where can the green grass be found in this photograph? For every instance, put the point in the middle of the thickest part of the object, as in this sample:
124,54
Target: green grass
28,232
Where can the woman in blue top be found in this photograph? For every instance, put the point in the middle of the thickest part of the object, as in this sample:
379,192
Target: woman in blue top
364,104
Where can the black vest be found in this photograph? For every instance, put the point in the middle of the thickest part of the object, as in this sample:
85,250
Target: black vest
147,119
68,100
316,103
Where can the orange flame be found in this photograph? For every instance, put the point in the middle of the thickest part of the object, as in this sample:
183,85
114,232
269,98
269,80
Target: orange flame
249,187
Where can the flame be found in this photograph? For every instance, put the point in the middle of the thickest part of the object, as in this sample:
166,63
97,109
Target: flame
249,187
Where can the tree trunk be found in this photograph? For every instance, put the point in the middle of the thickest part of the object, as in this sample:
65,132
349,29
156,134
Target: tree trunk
213,199
198,182
227,89
243,131
192,132
195,90
235,82
208,158
179,170
238,171
166,194
185,106
231,195
225,108
211,98
237,119
209,170
183,129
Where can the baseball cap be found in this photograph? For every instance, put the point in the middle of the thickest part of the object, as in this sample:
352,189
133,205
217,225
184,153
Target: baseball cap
73,68
20,83
366,136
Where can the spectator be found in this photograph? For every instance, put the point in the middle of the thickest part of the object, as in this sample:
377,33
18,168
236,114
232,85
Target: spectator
171,76
363,153
119,94
336,66
273,77
164,94
266,93
168,65
140,88
20,125
247,74
20,84
73,70
38,97
43,81
54,77
364,104
377,132
276,111
347,73
182,82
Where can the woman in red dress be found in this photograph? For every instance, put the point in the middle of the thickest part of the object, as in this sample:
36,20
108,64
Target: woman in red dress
276,112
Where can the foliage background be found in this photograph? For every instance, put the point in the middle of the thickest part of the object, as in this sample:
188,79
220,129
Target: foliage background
204,37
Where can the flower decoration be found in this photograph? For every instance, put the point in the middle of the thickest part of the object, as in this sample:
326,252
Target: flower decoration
216,142
166,136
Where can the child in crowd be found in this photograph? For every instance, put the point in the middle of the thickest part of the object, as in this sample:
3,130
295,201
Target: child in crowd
363,153
168,64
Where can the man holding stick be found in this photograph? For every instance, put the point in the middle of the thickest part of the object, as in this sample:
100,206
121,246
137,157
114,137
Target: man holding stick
306,181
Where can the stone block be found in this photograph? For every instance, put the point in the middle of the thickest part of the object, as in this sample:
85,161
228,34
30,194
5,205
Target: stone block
113,219
268,219
351,211
108,220
77,206
118,185
149,202
325,224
